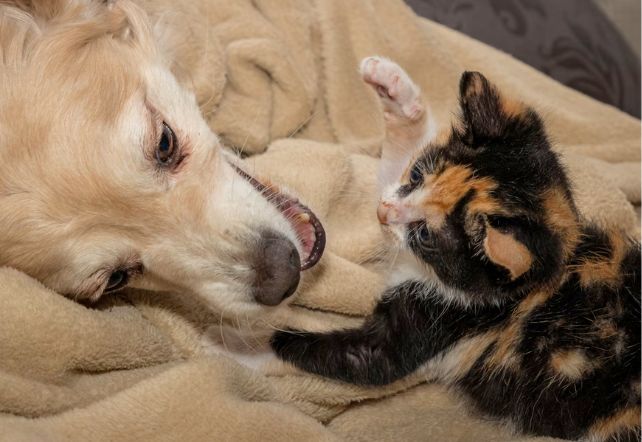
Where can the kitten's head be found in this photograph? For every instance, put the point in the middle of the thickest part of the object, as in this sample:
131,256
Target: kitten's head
487,205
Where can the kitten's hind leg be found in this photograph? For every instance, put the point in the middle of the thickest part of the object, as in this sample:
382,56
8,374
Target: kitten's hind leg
409,126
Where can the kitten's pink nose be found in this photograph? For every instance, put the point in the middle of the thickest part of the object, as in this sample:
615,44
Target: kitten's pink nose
393,212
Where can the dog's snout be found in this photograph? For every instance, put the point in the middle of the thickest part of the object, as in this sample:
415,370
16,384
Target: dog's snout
277,269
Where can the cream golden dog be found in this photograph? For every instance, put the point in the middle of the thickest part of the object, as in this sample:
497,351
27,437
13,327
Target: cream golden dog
110,177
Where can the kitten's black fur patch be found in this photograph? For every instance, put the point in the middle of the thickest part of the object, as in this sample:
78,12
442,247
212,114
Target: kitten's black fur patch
560,354
403,332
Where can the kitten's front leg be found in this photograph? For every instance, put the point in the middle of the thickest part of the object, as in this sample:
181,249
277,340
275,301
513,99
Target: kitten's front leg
407,117
391,344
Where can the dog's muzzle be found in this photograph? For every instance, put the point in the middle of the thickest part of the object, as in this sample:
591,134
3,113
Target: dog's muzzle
278,262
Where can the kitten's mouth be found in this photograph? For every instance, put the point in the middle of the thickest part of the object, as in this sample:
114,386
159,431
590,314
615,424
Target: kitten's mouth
305,223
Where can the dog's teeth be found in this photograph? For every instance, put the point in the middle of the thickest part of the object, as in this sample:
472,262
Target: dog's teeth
303,217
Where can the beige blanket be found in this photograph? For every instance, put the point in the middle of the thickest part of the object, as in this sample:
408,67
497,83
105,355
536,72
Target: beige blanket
280,77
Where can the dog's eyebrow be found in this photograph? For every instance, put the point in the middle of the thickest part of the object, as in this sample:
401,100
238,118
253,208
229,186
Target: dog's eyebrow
151,134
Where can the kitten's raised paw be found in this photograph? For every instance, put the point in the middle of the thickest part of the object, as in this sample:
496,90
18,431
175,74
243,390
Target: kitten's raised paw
400,96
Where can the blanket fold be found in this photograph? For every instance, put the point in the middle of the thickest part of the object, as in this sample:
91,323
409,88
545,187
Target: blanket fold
278,80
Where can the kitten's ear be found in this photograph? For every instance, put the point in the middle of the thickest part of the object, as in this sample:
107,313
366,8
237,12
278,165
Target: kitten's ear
506,251
485,110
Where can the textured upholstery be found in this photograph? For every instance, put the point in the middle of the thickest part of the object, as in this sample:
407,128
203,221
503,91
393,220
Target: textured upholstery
573,41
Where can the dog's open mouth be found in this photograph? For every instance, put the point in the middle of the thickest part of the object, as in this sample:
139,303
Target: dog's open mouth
307,226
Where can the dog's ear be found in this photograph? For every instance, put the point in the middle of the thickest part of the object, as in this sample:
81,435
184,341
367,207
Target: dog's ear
120,18
43,9
128,21
49,8
486,111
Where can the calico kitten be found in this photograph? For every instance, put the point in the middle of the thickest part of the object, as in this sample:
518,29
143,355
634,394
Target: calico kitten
505,292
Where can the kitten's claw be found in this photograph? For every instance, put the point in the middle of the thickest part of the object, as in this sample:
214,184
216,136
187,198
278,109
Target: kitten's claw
400,96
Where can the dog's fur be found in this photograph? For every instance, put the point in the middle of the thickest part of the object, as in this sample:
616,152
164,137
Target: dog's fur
84,90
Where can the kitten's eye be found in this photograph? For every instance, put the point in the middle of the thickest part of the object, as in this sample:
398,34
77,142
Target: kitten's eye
117,280
415,176
423,235
167,149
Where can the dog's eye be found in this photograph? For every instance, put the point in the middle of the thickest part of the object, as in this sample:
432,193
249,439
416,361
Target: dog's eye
117,280
167,149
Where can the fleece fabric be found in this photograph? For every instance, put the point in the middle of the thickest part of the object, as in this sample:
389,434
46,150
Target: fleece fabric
278,81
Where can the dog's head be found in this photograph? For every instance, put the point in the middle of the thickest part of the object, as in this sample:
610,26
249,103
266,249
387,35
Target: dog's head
109,175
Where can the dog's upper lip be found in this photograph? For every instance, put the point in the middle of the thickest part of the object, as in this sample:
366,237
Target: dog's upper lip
302,219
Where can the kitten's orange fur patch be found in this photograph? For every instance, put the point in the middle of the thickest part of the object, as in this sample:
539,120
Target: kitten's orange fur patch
503,249
561,219
445,190
572,364
504,354
605,270
513,108
610,427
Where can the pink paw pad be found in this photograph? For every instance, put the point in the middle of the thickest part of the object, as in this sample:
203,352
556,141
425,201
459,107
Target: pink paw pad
400,96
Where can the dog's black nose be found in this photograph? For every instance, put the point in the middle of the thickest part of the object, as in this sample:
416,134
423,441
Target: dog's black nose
277,269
